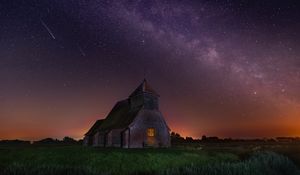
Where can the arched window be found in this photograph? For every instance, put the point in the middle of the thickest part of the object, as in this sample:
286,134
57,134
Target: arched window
150,132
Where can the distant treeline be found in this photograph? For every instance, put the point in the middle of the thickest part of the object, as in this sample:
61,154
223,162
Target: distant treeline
46,141
176,138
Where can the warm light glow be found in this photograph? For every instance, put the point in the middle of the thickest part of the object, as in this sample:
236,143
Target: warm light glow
150,132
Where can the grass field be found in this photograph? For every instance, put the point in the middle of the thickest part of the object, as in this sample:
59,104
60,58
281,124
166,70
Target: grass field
78,160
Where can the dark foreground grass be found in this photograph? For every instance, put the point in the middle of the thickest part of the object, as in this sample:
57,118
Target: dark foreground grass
91,161
261,163
78,160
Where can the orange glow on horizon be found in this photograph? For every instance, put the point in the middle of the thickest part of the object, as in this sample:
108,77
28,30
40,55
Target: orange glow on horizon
285,124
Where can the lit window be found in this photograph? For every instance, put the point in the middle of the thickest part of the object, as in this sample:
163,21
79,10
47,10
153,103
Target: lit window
151,132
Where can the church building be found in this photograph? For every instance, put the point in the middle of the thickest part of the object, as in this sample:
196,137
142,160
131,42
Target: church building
135,122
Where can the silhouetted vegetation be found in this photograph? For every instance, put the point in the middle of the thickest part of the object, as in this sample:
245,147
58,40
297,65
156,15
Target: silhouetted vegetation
47,141
65,141
69,140
177,139
14,142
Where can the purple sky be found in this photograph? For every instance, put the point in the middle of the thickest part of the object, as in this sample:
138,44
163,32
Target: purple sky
224,68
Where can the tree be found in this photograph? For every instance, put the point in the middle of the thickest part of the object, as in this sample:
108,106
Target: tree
69,140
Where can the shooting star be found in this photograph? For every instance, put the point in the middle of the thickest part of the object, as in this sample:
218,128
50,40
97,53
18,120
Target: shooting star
47,28
81,51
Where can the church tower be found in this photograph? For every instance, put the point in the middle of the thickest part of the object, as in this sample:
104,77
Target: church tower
144,96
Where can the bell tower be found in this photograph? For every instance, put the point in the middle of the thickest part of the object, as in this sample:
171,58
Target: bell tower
144,96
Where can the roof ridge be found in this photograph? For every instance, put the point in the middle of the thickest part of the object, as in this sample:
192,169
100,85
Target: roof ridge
144,87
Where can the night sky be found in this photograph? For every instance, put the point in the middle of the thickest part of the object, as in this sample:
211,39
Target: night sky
222,68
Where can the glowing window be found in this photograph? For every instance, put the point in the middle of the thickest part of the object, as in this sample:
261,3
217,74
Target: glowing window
151,132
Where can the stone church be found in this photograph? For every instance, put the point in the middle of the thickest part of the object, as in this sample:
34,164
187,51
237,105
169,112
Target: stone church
135,122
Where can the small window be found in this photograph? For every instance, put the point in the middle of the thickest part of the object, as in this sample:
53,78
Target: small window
151,132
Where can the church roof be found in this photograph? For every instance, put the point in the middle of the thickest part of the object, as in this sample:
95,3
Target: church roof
144,87
94,127
120,116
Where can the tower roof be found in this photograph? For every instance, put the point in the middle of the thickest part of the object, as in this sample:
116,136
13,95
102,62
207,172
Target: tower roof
144,87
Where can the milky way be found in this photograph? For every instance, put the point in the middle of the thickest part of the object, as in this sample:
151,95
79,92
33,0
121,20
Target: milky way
224,68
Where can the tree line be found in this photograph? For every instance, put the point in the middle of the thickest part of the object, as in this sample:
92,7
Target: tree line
47,141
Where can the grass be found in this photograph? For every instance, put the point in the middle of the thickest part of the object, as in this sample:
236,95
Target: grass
261,163
78,160
291,151
83,160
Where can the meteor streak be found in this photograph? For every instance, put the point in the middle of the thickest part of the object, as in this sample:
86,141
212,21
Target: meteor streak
48,29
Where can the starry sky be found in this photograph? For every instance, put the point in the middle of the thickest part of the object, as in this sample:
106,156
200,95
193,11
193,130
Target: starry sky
222,68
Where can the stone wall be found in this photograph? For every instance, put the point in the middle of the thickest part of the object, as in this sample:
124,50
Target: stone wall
138,130
87,140
96,139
